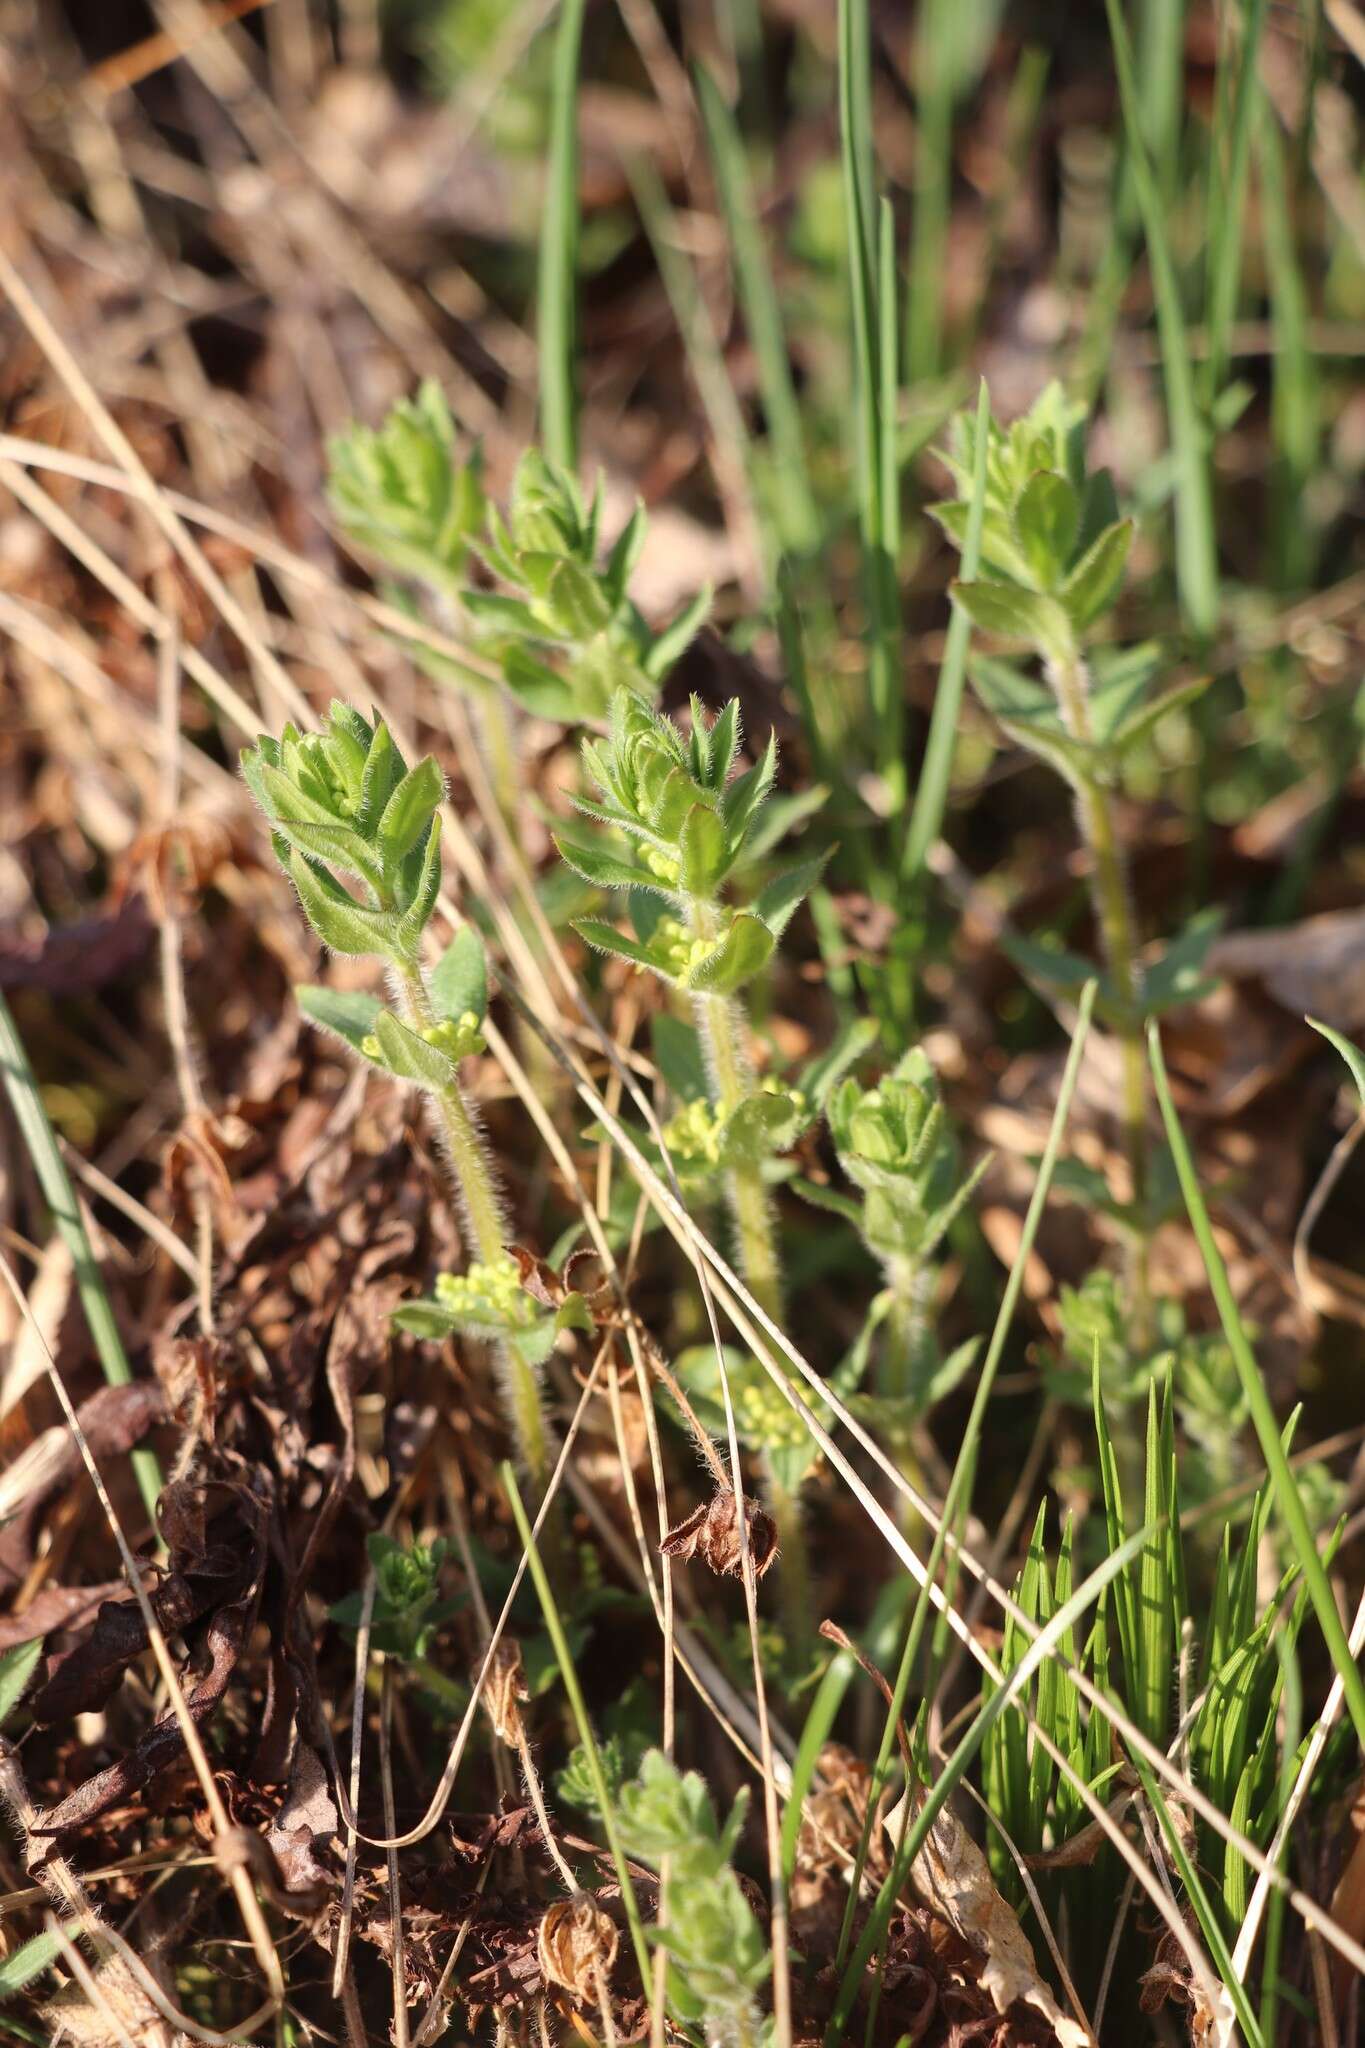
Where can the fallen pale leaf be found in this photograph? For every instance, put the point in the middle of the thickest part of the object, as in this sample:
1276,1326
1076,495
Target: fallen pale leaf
952,1876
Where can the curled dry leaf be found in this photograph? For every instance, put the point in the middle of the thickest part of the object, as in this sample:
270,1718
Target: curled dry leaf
711,1532
504,1689
952,1876
576,1941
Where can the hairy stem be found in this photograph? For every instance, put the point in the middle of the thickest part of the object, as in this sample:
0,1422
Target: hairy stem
1070,680
722,1025
484,1232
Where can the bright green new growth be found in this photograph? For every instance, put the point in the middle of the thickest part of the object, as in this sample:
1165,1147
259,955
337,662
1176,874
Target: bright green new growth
894,1143
402,494
561,630
565,633
718,1956
344,803
407,1607
685,824
1053,551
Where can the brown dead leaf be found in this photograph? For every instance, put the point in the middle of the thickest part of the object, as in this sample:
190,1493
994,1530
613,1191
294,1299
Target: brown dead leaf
953,1877
1316,967
307,1820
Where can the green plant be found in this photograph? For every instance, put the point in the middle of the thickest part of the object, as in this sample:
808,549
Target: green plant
673,824
1053,553
407,1605
401,492
1198,1365
344,803
894,1143
673,829
718,1957
564,630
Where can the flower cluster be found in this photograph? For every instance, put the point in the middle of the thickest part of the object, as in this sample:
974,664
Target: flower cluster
766,1421
673,825
718,1957
706,1138
489,1301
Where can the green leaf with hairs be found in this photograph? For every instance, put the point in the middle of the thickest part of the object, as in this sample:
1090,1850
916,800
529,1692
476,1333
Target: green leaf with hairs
601,866
17,1667
702,851
411,1058
742,953
410,809
1094,583
348,1014
28,1961
604,938
1016,614
779,900
459,980
340,922
1047,518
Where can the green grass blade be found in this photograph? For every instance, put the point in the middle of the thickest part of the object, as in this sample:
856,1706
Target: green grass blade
794,502
865,252
814,1735
1228,167
931,795
723,414
1275,1904
1161,70
582,1723
557,280
886,557
1204,1911
60,1197
933,179
1295,413
1126,1610
1196,548
1042,1646
1352,1054
1287,1496
1155,1644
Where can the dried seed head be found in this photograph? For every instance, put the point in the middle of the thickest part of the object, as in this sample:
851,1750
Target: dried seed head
576,1941
504,1687
712,1534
